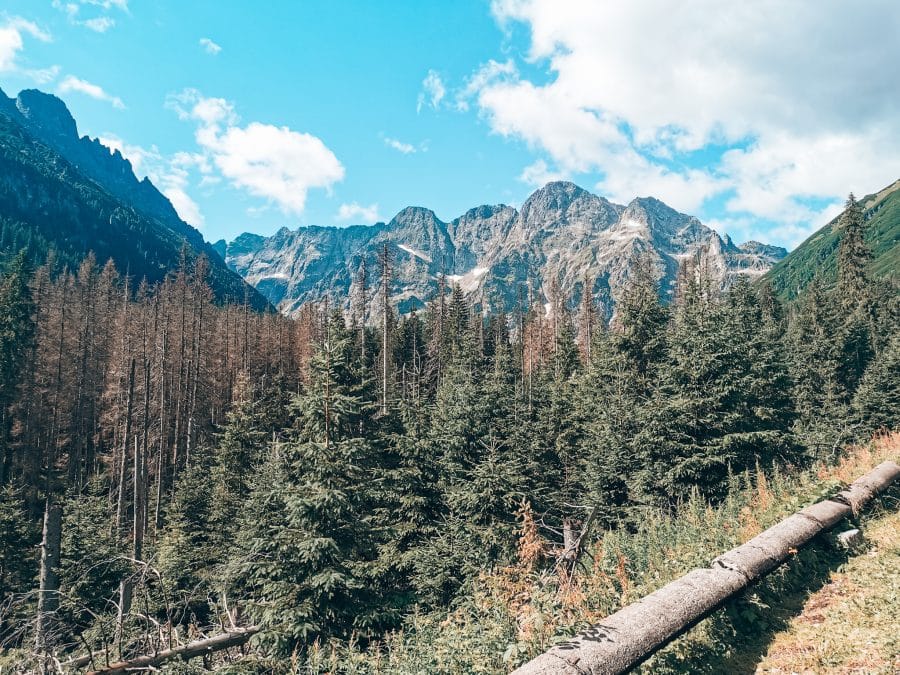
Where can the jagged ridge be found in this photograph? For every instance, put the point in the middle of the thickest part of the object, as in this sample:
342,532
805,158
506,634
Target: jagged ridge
72,194
562,232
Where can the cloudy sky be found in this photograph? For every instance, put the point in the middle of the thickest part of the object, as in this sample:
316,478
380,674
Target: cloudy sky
758,117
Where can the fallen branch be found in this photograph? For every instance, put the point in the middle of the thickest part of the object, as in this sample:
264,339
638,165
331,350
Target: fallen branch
634,633
232,638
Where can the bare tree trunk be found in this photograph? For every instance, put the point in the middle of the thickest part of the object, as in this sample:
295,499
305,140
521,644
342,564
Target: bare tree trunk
202,647
386,271
48,595
129,407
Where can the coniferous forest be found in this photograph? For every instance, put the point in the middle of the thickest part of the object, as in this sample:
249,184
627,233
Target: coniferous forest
342,487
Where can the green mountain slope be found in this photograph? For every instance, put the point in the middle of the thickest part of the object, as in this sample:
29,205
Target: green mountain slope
49,204
818,254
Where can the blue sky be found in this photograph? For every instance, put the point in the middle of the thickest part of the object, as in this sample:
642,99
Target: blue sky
318,112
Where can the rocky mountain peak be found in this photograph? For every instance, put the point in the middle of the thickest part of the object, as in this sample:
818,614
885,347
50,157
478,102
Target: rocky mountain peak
562,232
414,216
753,247
47,114
47,118
556,198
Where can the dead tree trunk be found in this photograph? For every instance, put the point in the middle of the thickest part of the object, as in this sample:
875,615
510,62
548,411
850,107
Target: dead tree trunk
48,594
634,633
232,638
129,408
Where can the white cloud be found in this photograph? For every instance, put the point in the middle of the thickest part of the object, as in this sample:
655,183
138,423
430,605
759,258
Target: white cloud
72,83
99,24
490,72
12,40
107,4
539,174
356,212
42,75
804,94
433,91
169,174
209,46
399,146
275,163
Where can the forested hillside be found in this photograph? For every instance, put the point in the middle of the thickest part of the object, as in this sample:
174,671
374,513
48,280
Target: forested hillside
817,257
383,498
52,207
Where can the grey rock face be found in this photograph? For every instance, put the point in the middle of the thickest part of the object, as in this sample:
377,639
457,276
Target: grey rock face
562,236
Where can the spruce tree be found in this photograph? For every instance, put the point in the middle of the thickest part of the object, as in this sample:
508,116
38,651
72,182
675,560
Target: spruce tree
17,328
309,542
92,562
240,451
641,321
854,257
18,536
820,394
876,404
186,559
724,400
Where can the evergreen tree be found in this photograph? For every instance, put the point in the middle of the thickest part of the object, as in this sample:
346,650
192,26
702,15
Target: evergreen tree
311,543
92,564
186,558
724,401
876,404
17,329
854,257
18,537
641,321
611,403
239,453
821,397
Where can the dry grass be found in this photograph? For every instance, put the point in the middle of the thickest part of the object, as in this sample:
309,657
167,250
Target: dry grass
852,624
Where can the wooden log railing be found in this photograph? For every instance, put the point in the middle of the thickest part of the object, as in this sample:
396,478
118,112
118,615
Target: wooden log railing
634,633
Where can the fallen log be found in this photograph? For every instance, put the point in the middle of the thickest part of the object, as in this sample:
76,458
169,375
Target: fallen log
232,638
634,633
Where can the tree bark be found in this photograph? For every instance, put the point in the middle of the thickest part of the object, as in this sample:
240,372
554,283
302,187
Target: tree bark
634,633
48,595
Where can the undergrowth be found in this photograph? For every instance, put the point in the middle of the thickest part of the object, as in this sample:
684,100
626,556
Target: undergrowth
517,612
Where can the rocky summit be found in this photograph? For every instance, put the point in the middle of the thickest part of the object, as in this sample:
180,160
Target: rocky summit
563,236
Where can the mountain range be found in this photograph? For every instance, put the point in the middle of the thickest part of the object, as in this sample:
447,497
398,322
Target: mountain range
562,237
70,194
